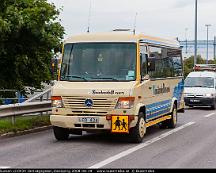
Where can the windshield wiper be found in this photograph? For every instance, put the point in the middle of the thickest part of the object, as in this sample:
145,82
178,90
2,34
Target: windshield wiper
109,78
199,86
75,76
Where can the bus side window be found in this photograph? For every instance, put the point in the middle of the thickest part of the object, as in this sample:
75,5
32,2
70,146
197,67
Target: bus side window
155,62
175,57
143,60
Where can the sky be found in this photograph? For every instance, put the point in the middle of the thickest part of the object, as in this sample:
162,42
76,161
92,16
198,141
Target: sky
163,18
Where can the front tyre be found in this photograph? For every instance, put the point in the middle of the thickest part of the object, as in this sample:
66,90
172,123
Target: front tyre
60,133
137,133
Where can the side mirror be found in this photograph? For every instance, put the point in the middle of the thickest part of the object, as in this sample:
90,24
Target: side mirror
143,64
151,66
146,77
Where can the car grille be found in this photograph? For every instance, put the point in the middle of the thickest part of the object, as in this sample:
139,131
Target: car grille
77,105
195,95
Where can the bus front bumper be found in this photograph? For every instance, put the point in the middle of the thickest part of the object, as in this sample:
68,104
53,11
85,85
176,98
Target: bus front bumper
73,122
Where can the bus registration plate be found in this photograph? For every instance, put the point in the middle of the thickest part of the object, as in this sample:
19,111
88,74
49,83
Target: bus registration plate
120,124
89,119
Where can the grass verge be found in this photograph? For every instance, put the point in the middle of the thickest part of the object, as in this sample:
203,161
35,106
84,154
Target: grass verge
23,123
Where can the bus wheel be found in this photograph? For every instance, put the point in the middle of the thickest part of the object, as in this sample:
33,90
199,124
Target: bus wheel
137,133
171,123
60,133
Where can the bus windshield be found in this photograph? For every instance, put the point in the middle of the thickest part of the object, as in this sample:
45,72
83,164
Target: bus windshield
206,82
99,62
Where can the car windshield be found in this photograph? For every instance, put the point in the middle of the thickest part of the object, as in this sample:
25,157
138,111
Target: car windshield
207,82
99,62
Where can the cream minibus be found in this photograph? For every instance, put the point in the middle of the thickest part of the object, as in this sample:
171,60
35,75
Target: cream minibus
118,82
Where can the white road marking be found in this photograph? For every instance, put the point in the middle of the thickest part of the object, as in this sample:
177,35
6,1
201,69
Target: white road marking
206,116
133,149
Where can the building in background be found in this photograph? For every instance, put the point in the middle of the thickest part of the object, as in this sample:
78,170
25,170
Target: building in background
188,48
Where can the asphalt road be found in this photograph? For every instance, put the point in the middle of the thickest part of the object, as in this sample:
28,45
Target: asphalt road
192,144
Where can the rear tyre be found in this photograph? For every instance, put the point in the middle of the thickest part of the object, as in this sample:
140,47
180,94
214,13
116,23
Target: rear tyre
60,133
137,133
171,123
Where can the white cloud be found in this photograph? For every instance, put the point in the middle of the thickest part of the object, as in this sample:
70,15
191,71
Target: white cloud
156,17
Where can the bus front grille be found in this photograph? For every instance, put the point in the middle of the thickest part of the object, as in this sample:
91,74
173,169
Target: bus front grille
101,106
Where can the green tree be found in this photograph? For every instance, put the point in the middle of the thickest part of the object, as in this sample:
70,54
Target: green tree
30,31
189,64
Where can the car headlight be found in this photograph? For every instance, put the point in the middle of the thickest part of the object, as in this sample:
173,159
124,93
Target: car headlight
57,101
185,94
125,103
209,95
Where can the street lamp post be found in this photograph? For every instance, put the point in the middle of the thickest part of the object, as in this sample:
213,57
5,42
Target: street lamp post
195,45
214,47
207,26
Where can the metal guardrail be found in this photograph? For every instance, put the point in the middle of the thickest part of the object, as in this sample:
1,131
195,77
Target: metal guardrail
30,106
24,108
41,95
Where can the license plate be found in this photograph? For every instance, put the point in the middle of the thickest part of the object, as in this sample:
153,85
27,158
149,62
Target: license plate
89,119
194,101
120,124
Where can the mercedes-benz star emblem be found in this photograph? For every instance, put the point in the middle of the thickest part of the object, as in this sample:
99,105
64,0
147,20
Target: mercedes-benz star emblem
89,102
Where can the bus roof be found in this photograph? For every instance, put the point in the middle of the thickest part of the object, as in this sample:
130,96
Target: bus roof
119,36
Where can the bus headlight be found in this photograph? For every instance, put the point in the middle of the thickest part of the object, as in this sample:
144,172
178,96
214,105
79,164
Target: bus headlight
57,101
125,103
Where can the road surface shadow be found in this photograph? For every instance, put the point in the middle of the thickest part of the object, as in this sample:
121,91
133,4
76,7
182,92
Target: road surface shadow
109,138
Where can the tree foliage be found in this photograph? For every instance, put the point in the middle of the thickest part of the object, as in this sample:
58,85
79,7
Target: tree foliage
29,32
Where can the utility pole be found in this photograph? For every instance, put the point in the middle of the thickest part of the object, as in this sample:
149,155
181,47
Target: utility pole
134,27
207,25
195,45
186,45
89,16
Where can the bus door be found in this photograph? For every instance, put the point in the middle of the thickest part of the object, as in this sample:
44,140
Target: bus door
146,84
159,86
